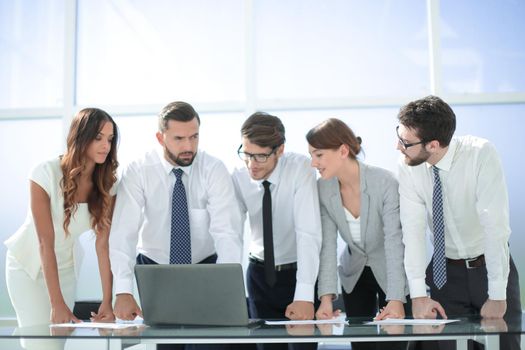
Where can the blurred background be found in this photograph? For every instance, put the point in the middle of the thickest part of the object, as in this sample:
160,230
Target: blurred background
301,60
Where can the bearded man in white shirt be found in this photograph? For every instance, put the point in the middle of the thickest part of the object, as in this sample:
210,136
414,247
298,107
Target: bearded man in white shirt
282,271
144,218
457,185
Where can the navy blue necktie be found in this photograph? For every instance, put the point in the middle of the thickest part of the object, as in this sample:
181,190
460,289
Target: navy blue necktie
180,246
439,267
269,261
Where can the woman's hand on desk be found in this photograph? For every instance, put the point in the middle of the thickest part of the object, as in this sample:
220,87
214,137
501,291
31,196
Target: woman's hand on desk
393,309
104,314
325,310
60,313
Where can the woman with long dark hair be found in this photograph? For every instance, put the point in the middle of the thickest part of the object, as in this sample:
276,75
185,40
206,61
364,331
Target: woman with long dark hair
70,195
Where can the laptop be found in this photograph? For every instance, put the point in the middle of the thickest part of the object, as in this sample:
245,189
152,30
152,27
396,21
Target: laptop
195,294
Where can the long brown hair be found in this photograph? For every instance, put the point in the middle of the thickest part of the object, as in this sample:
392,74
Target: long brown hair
84,128
331,134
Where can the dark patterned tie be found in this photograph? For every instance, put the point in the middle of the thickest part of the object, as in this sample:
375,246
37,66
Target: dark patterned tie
180,246
269,261
439,267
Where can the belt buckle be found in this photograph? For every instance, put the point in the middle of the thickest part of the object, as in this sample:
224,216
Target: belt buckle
468,261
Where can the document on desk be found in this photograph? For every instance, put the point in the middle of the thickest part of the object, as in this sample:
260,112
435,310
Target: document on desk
409,322
296,322
95,325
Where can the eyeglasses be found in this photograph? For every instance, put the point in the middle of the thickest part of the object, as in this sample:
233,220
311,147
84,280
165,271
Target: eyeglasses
406,145
259,157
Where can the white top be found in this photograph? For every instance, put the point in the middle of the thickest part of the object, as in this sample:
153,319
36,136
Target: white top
24,246
295,213
475,206
354,225
142,216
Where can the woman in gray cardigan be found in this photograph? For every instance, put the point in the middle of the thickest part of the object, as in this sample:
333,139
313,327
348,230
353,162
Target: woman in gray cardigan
360,202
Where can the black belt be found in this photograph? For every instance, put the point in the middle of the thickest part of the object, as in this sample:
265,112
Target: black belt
469,263
282,267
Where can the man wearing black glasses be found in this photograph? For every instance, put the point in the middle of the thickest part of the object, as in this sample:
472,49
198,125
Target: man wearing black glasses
459,185
278,191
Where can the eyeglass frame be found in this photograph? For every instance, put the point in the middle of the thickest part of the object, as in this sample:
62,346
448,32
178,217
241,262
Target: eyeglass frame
249,156
407,145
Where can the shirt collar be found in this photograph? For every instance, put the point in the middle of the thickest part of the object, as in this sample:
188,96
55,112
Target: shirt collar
445,163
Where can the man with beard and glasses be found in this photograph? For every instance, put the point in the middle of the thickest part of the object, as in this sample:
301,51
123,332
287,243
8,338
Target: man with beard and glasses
458,186
175,205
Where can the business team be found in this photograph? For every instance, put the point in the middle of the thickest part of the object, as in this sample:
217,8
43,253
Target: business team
174,205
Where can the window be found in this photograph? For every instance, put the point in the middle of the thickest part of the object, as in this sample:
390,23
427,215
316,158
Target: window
483,50
31,53
340,49
143,52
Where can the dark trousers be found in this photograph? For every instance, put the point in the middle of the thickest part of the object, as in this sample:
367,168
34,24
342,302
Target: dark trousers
465,293
365,300
271,302
212,259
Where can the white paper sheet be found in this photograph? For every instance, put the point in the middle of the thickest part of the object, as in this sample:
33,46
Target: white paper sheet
95,325
409,321
292,322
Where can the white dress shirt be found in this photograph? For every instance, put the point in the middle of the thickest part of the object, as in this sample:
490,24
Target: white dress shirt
295,215
475,206
142,216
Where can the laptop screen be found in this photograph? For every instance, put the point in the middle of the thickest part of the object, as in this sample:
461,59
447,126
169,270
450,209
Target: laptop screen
196,294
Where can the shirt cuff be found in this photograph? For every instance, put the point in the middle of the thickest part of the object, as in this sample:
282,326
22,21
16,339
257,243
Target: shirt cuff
304,292
498,290
123,286
417,287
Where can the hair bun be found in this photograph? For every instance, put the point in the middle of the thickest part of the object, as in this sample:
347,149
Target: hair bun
359,139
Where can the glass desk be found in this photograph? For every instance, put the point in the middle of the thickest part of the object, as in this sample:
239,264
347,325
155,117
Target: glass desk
142,337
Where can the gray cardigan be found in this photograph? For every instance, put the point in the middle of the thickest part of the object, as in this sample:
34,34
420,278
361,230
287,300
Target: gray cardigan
381,235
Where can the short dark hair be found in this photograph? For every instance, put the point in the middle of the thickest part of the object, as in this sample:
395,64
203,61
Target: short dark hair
264,130
331,134
431,118
179,111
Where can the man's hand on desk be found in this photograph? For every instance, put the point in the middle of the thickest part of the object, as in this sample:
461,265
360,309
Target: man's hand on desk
493,309
424,307
300,310
126,307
